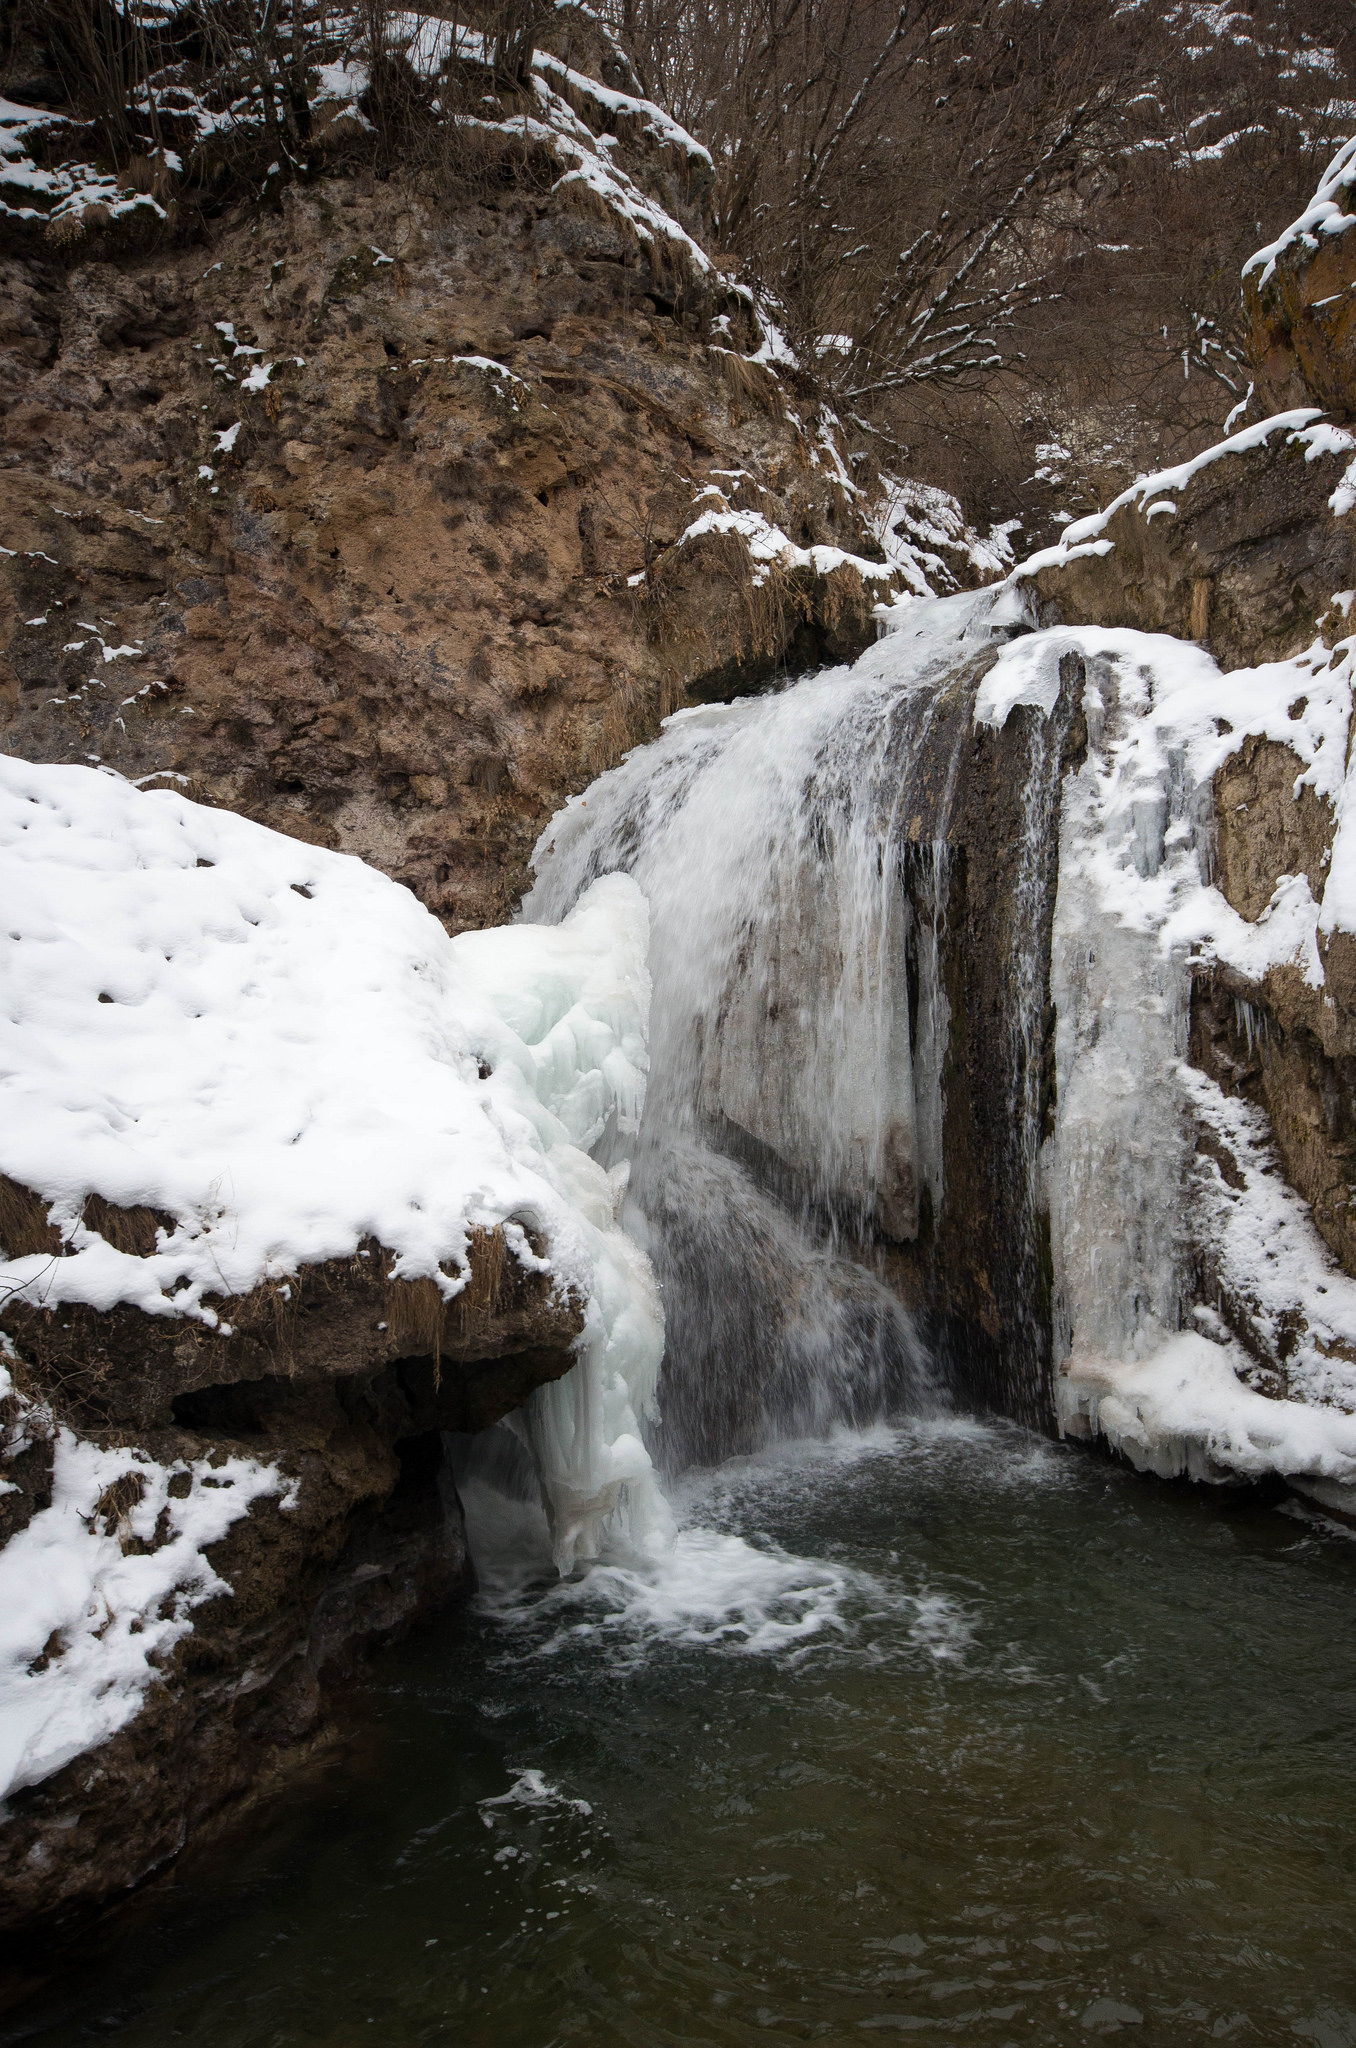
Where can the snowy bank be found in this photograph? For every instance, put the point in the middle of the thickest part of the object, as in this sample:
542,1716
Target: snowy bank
100,1586
281,1052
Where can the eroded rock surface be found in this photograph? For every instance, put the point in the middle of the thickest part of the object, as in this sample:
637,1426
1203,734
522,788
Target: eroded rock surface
362,519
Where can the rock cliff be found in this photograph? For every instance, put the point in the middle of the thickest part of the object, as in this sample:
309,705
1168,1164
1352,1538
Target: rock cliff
373,517
1249,553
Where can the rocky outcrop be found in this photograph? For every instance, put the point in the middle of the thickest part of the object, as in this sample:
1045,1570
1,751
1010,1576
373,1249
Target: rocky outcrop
344,1384
1244,557
366,518
1249,551
1252,562
980,864
386,513
1297,304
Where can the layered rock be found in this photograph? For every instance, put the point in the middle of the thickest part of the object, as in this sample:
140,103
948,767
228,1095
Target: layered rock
371,517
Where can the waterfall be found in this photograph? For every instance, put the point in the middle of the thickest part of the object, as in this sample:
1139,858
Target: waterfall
920,1124
796,854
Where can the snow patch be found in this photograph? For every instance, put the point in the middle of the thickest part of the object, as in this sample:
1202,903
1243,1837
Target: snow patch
1325,214
1158,492
914,521
87,1621
768,544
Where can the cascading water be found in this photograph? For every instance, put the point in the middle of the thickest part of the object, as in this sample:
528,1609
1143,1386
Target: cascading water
795,854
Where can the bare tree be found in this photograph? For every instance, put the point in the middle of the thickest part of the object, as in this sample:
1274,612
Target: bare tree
883,169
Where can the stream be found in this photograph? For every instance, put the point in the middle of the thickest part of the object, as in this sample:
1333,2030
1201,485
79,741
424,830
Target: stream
934,1729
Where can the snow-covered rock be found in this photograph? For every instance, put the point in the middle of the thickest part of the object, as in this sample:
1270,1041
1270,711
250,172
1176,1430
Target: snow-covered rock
1166,1199
283,1055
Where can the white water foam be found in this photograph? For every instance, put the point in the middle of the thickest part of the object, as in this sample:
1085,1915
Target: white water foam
719,1588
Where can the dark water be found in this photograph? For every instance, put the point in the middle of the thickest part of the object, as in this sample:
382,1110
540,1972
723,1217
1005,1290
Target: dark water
1031,1750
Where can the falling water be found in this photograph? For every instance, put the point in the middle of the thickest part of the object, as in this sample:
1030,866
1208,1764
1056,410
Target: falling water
795,854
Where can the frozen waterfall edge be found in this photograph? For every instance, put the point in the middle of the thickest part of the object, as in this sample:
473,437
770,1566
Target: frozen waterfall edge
1202,1326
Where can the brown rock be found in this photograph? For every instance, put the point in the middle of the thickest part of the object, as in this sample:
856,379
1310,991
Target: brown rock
1263,830
418,600
1301,325
345,1381
1247,564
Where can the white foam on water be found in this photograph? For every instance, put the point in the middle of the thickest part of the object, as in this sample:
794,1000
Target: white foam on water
719,1587
533,1788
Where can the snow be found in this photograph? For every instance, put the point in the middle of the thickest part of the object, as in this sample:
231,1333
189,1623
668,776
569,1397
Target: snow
768,544
429,45
1269,1255
1324,215
1157,493
653,119
912,521
85,1628
1185,1412
69,189
279,1048
339,86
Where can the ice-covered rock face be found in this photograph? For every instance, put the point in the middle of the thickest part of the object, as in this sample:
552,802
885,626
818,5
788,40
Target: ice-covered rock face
1166,1204
849,901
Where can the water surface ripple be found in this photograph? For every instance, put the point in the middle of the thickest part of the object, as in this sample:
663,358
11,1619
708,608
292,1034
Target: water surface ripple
935,1731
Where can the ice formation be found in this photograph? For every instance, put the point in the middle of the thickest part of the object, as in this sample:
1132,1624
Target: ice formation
283,1052
1136,911
770,838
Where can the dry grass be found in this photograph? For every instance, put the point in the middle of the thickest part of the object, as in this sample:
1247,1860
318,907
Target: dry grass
127,1230
24,1229
115,1504
422,1324
268,1313
770,608
750,384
